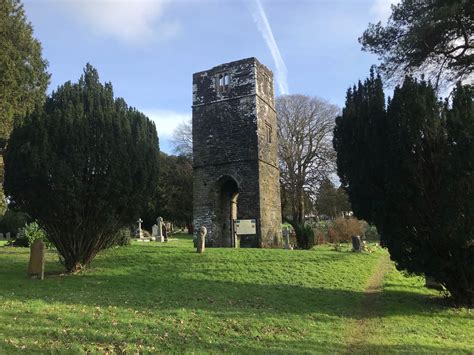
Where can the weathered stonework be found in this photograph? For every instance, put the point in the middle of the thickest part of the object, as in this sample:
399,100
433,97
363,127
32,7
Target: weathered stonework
236,172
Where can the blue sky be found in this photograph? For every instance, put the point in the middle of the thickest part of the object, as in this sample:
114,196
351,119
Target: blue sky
149,49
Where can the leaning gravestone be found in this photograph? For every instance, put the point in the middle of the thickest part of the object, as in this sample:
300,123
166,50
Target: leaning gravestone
36,265
356,244
201,242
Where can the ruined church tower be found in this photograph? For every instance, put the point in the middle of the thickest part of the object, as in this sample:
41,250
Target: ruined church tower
235,155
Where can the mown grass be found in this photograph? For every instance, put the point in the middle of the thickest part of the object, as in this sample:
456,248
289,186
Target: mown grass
409,318
166,298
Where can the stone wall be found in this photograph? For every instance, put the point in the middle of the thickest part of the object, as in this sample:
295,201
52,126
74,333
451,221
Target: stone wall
235,139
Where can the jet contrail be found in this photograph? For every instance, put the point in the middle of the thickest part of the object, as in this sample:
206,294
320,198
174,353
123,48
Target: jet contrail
263,25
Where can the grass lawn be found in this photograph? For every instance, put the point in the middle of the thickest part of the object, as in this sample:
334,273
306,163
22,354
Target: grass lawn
155,297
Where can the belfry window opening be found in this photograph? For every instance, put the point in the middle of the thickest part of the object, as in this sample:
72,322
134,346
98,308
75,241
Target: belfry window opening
223,82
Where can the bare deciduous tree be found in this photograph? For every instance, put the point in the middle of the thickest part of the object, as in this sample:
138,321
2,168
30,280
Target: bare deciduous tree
182,139
305,126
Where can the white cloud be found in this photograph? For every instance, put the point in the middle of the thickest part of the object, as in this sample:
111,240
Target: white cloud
263,26
132,21
166,120
381,9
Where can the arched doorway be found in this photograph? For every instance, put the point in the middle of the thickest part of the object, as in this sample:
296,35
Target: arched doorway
228,194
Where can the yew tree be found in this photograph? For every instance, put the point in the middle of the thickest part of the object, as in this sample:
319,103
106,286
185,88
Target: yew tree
23,75
408,169
83,165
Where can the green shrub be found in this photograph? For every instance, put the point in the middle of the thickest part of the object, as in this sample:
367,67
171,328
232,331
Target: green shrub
29,233
122,237
304,236
371,234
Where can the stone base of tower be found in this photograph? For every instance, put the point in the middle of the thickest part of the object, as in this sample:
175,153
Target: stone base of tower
220,188
270,207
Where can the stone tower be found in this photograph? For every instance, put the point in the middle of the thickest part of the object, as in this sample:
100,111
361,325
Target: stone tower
235,152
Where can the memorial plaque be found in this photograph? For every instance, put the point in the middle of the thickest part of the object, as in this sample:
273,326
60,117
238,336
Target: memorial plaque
246,226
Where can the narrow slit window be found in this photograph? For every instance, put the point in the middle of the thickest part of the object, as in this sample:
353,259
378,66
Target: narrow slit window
268,132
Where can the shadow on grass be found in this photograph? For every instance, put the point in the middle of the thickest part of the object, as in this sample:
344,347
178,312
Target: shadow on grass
170,338
240,346
169,287
163,282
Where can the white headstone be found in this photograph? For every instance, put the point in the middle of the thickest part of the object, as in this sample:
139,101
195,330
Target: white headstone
160,237
8,235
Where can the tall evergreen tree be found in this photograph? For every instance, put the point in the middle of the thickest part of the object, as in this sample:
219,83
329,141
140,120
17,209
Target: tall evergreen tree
415,154
458,194
359,140
84,166
417,182
23,75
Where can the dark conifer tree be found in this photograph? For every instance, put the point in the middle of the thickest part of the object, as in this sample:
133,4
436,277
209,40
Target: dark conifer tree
417,181
360,133
84,166
415,153
458,196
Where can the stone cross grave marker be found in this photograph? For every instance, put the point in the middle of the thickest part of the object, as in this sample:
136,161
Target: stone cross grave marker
140,232
201,243
36,264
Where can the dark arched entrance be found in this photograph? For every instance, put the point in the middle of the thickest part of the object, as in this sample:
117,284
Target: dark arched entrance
228,193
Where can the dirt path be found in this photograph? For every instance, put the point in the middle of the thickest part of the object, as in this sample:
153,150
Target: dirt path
368,308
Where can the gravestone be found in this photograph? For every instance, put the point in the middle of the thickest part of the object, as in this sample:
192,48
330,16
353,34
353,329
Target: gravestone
356,243
201,242
8,236
286,237
1,236
154,232
140,231
36,264
160,224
